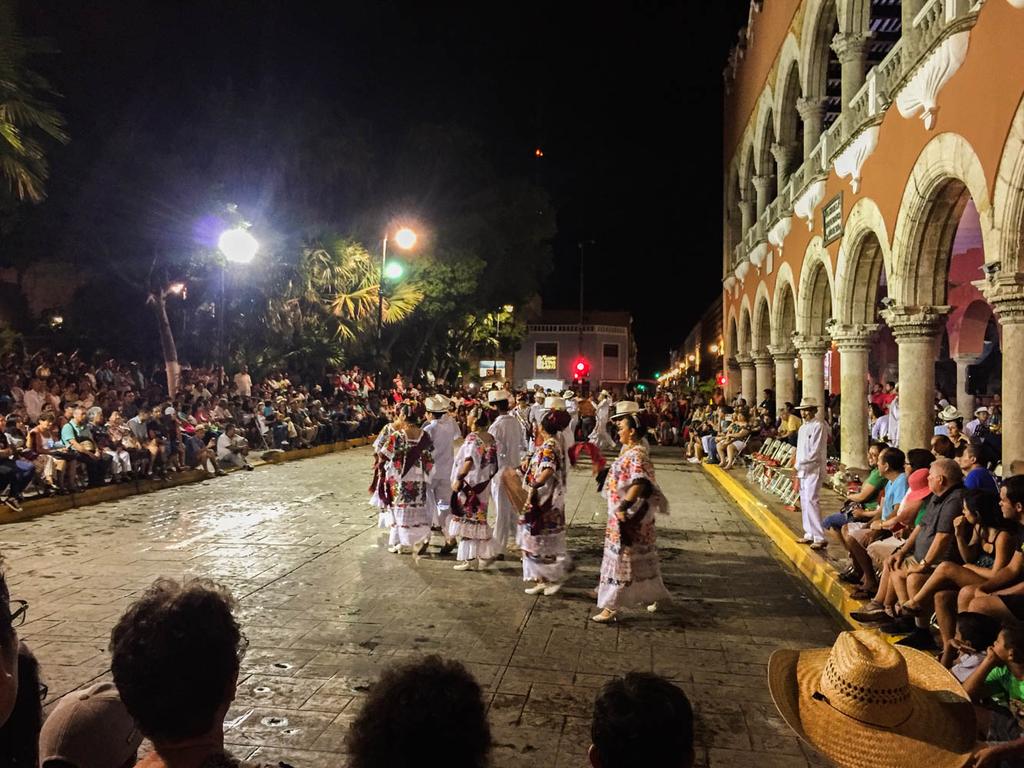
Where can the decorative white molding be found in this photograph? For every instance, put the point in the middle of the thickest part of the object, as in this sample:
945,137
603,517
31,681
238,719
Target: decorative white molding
804,205
1016,3
729,282
920,95
758,254
742,270
780,231
850,161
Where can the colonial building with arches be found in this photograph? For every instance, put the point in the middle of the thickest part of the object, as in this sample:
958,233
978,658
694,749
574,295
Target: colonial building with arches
874,208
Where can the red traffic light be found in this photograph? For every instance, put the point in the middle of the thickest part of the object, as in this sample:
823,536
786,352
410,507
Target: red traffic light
721,380
581,368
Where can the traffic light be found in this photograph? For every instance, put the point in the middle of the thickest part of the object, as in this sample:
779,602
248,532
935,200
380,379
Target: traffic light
580,369
721,380
657,375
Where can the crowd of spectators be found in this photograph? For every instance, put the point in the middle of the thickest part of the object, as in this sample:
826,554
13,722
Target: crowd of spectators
176,654
67,424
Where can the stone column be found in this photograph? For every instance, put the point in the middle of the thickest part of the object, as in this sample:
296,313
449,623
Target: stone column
1006,295
854,344
784,154
732,378
852,49
917,331
964,400
785,376
908,39
812,351
763,186
764,369
748,378
812,112
746,213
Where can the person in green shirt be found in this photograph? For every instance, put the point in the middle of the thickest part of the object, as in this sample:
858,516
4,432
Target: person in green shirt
999,679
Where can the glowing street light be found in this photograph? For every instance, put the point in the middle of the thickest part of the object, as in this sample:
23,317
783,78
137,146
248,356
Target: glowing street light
238,246
394,271
176,288
714,349
405,238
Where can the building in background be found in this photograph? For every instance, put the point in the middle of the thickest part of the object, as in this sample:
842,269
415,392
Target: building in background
874,208
700,358
556,343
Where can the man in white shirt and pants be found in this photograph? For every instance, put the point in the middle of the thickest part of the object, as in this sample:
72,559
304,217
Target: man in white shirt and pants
443,432
511,442
811,457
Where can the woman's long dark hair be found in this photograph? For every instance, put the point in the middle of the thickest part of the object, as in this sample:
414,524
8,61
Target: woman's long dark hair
19,736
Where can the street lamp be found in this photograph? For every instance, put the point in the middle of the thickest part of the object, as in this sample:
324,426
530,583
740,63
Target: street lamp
239,247
405,238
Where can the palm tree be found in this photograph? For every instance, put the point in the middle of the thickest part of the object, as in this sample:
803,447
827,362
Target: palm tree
26,115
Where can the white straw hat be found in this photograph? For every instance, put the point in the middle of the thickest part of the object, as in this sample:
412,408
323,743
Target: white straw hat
437,404
625,408
807,402
498,394
554,403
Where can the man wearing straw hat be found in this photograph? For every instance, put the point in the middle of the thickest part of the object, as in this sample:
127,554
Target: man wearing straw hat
511,443
864,703
811,456
443,432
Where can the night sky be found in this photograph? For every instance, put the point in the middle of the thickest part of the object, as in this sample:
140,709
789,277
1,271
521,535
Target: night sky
624,100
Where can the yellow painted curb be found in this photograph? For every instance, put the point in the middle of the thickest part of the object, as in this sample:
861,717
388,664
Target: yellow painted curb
814,568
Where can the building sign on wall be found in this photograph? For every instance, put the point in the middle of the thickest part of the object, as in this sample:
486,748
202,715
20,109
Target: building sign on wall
547,362
832,219
492,369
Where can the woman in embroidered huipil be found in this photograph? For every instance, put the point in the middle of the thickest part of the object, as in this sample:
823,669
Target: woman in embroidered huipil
542,522
630,572
408,463
476,463
378,485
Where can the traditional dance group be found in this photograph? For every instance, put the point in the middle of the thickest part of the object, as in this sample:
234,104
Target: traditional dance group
514,459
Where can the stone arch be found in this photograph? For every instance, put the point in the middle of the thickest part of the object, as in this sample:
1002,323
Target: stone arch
817,287
864,257
733,222
946,175
764,133
732,336
762,321
784,307
968,338
789,125
1008,198
820,18
745,327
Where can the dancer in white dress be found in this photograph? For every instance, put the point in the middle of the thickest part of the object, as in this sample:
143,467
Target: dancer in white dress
378,485
542,523
443,433
630,570
600,436
511,441
408,465
476,464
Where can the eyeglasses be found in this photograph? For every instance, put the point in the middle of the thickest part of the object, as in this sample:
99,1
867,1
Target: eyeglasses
19,612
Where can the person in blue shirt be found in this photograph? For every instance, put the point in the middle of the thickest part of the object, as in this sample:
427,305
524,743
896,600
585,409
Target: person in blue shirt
976,475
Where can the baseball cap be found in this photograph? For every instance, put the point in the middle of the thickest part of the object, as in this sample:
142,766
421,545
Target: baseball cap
169,411
89,728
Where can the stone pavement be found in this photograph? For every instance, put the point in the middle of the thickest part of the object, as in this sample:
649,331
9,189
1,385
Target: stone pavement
326,608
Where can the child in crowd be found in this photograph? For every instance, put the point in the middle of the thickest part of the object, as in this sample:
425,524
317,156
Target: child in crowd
973,632
998,682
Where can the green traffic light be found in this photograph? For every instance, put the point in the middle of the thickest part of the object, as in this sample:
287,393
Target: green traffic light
394,270
657,375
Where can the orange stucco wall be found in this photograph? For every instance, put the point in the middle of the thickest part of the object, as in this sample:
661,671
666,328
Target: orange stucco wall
979,103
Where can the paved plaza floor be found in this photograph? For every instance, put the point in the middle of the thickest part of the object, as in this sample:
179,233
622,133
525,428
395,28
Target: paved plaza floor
326,608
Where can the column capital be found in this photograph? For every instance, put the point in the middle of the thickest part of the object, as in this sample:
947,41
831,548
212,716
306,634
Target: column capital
762,359
1006,295
744,360
782,352
853,337
915,322
851,46
762,181
812,345
811,109
784,154
732,362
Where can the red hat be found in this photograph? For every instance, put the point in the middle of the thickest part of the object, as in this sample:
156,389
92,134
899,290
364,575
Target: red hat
918,485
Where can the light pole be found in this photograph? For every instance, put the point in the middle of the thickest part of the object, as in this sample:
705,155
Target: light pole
405,238
239,247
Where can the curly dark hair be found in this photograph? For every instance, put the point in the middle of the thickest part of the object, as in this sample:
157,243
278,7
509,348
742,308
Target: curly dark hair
642,719
428,701
175,658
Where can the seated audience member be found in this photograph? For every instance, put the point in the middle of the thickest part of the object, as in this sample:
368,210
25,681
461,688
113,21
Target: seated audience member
976,474
89,729
1000,678
975,633
15,472
789,424
198,455
1002,596
986,541
175,656
232,449
21,709
943,447
415,704
641,720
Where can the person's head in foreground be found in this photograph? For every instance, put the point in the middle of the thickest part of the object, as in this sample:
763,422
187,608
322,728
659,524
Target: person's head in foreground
864,702
89,729
175,655
21,711
641,720
432,701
